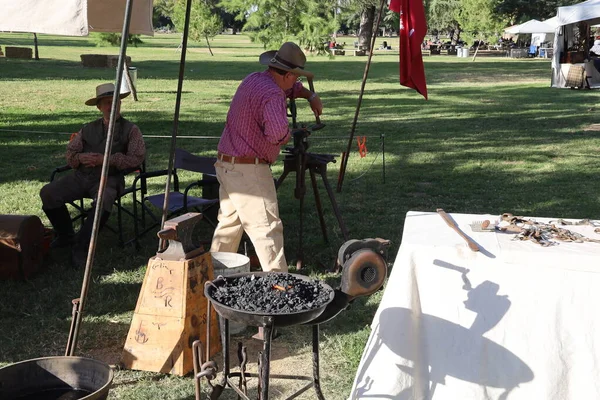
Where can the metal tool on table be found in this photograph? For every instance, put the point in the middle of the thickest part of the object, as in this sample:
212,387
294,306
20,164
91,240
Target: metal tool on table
448,219
482,226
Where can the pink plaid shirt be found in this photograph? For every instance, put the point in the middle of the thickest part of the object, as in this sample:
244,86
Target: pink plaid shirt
257,123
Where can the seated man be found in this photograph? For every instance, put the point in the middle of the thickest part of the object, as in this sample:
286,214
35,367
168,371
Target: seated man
85,155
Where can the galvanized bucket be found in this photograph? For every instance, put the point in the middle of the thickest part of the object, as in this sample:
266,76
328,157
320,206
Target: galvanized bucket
52,378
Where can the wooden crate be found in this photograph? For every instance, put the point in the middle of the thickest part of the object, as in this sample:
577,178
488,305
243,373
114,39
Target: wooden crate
171,313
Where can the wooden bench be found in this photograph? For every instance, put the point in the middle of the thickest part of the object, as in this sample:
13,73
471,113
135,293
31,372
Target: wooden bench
337,52
358,52
18,52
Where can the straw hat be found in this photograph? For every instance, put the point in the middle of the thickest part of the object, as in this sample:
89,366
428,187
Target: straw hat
104,90
289,57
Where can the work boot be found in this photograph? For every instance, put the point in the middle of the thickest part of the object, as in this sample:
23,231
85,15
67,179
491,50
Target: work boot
63,227
82,242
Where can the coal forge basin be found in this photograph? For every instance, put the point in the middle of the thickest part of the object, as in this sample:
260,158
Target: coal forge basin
258,318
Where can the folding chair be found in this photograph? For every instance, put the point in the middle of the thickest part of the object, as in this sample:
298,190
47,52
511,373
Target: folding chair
82,211
182,201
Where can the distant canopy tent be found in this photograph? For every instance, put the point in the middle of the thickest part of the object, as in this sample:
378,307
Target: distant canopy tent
532,26
567,49
74,17
541,31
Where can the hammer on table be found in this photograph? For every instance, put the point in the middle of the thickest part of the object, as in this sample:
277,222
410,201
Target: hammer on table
448,219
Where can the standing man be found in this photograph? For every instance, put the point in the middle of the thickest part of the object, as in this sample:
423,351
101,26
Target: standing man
85,153
256,128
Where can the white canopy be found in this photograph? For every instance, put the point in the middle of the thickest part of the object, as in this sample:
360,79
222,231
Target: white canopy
532,26
74,17
568,16
587,11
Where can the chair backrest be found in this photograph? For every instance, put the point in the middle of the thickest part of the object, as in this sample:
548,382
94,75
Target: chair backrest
188,161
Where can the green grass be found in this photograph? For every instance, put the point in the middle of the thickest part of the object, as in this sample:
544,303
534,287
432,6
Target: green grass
493,138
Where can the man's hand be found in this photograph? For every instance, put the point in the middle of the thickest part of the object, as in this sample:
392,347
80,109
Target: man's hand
91,159
316,105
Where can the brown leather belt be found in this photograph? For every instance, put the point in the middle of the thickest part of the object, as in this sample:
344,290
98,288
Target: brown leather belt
240,160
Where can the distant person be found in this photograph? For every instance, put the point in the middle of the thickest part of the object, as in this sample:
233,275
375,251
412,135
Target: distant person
85,155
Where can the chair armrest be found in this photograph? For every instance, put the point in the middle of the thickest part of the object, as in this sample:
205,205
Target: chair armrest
201,183
59,170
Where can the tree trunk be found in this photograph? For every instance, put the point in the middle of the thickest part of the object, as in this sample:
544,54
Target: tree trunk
366,28
477,49
208,44
455,36
35,42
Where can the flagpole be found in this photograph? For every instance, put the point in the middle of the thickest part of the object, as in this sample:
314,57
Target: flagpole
360,96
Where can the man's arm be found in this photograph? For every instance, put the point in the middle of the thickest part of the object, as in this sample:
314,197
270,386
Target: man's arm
74,149
136,152
299,91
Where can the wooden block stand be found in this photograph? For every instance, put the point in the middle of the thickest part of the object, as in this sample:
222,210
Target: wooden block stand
169,316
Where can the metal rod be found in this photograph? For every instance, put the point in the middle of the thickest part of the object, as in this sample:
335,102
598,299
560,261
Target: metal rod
161,243
266,359
74,313
360,96
197,360
103,178
383,154
315,350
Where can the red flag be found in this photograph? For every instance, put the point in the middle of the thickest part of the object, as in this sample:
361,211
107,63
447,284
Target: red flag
413,28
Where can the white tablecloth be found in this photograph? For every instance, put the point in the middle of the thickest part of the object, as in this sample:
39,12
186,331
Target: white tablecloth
515,321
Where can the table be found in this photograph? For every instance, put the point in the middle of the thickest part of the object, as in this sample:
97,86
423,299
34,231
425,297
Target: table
514,321
546,52
518,53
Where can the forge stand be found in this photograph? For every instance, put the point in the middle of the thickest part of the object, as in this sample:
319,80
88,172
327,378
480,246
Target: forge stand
208,368
299,162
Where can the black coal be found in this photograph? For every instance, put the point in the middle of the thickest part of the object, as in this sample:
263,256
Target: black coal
272,294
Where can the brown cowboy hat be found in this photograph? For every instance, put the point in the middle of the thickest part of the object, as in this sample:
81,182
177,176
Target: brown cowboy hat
289,57
104,90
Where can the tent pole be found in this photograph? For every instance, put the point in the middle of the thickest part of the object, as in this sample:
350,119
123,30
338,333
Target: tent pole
165,210
73,335
360,96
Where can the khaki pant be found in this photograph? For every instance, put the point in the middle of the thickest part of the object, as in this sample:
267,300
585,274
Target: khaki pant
76,185
248,202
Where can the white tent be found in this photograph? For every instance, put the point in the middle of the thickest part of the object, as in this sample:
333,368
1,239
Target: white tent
74,17
568,16
531,26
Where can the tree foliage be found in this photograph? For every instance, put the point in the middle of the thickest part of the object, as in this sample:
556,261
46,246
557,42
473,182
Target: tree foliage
273,22
442,17
204,24
114,39
519,11
478,20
